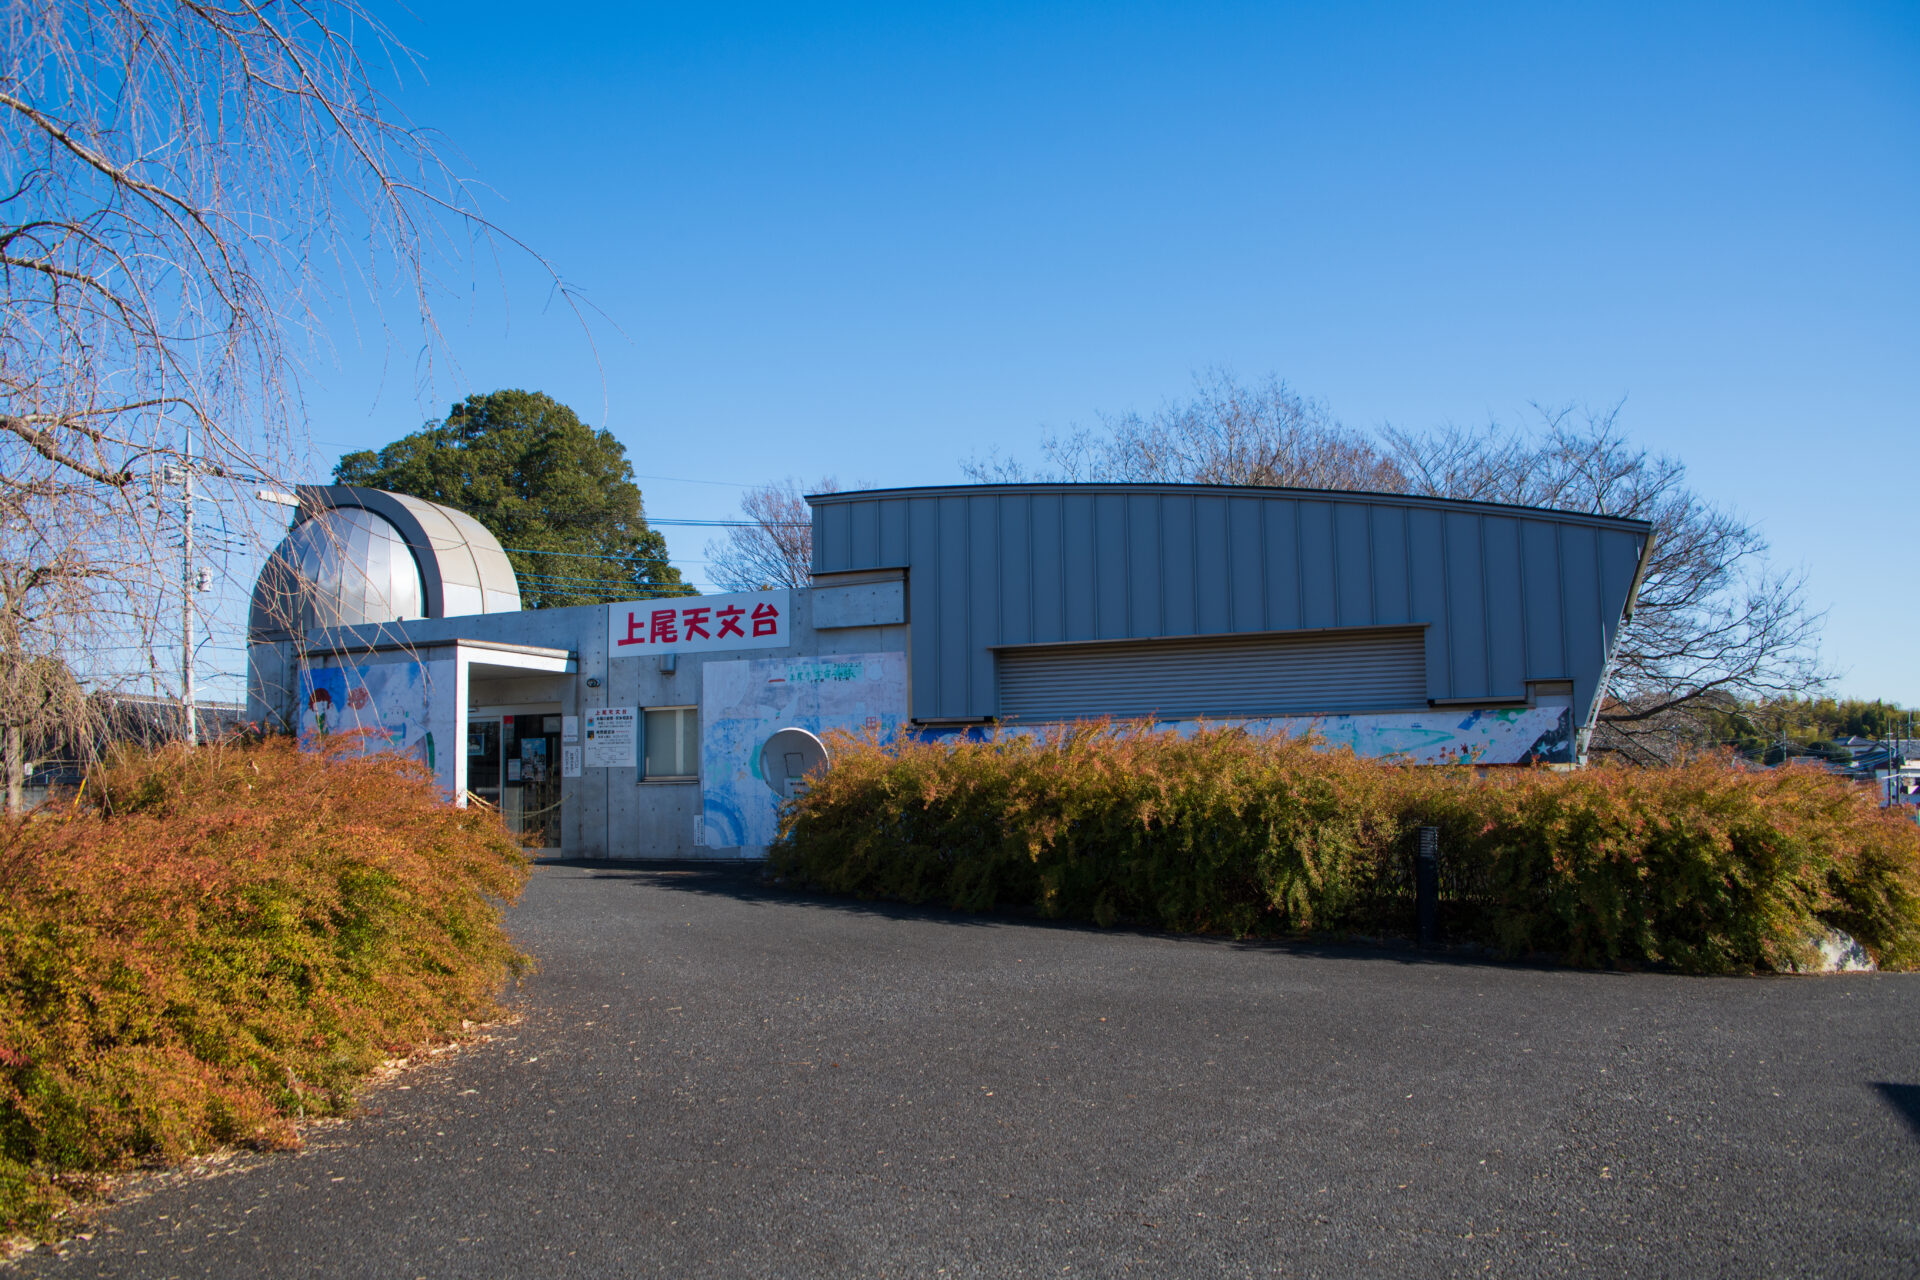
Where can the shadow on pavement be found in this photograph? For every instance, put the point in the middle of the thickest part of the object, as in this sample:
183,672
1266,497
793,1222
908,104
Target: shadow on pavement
1905,1101
748,882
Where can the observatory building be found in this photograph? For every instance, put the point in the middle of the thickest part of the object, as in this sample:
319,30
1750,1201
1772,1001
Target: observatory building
1429,630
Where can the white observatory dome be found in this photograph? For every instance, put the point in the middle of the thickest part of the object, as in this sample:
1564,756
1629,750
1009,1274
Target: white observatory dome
351,567
363,556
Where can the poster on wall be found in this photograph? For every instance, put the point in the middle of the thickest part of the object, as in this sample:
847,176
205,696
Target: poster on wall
744,703
384,703
533,759
611,738
570,762
701,624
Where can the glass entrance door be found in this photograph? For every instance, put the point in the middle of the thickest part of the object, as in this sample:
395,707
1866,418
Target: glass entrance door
483,760
513,766
535,756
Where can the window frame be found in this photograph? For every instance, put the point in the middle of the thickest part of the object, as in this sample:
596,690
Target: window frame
646,736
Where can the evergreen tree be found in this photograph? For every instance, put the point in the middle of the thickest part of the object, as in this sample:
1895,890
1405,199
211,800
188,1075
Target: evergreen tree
559,495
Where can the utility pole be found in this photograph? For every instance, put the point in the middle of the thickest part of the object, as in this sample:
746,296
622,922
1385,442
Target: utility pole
189,705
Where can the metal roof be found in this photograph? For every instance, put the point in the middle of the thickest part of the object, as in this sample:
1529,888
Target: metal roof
356,556
1507,595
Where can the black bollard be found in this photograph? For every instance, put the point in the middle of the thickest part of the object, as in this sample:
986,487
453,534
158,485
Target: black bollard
1426,886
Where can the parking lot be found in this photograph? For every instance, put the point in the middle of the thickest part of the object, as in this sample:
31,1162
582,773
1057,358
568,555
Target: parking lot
709,1077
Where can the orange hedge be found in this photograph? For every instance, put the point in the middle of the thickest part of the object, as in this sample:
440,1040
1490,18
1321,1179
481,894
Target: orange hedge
207,945
1703,866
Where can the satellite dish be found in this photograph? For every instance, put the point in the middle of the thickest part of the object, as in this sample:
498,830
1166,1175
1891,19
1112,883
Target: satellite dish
789,756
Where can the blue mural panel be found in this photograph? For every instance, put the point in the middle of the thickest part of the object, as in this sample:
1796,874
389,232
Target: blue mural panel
742,704
385,703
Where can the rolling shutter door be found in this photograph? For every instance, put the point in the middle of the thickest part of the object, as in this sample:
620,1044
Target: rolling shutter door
1214,676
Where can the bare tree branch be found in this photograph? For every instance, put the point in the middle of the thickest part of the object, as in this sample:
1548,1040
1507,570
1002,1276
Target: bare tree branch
189,185
776,550
1229,433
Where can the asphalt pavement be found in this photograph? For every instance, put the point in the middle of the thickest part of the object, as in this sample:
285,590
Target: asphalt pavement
712,1078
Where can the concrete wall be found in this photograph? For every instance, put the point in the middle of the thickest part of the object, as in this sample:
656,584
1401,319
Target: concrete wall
628,817
605,813
272,672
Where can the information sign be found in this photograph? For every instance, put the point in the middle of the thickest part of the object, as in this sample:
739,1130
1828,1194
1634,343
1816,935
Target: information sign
611,738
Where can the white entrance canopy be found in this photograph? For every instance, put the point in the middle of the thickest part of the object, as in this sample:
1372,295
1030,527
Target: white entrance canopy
494,660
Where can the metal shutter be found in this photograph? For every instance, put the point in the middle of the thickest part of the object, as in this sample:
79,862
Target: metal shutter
1214,676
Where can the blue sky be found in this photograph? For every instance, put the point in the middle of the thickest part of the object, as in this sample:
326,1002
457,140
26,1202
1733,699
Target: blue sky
871,241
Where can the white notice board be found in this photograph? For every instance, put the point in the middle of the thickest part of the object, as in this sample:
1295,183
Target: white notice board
611,738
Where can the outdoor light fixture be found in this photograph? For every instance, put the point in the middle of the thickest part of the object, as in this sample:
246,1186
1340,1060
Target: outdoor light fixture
593,682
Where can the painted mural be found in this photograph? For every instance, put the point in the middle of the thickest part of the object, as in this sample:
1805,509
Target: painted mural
385,702
744,703
1505,735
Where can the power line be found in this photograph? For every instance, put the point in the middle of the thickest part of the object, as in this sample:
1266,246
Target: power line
724,484
614,584
597,555
598,584
735,524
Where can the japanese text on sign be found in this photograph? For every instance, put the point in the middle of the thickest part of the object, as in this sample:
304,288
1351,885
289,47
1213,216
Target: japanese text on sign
698,624
612,734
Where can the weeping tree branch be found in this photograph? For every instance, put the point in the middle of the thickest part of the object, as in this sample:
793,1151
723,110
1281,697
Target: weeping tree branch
185,189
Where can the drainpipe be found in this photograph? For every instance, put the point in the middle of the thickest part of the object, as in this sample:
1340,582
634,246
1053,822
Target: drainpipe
1599,696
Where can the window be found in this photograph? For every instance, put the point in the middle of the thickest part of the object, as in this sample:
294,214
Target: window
673,742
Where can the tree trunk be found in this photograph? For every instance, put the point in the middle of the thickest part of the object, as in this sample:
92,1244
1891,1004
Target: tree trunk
16,770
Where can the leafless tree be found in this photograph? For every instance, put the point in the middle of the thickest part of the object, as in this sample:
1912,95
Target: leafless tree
1713,617
186,190
773,547
40,699
1228,433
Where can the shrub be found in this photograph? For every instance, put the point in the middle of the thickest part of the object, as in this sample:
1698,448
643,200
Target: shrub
208,945
1701,866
